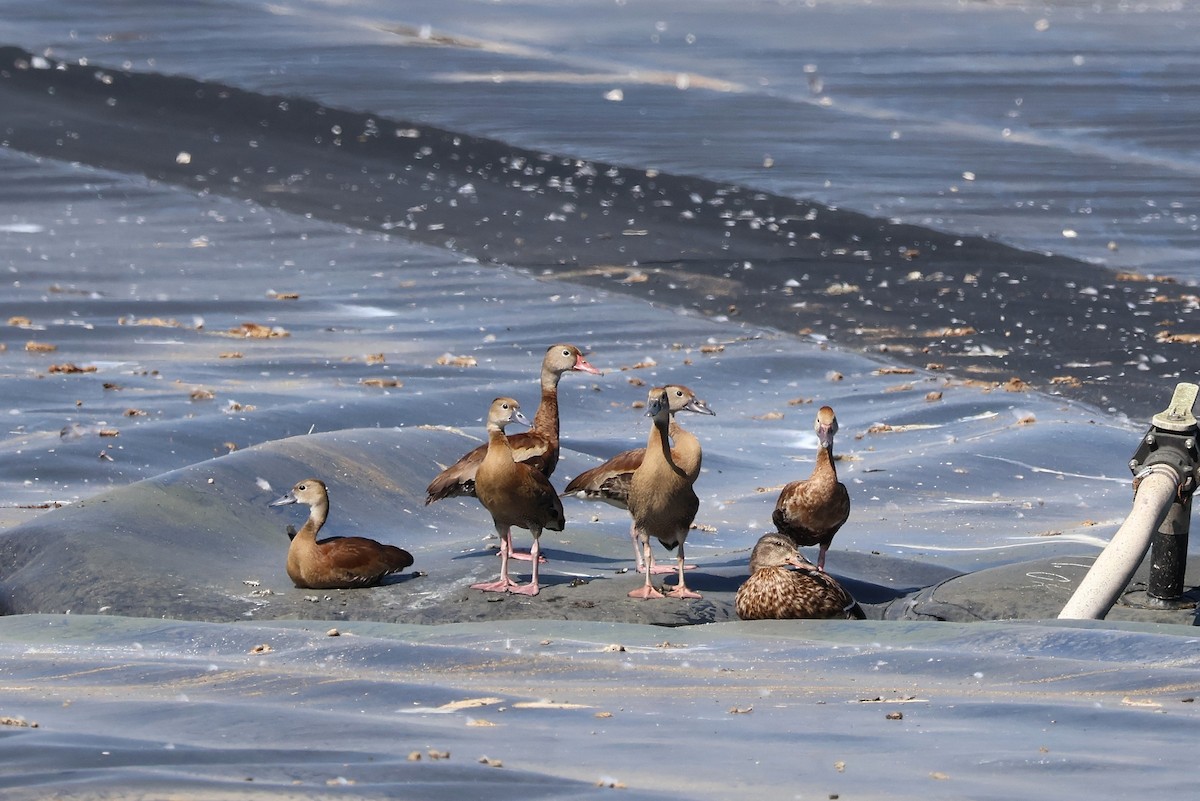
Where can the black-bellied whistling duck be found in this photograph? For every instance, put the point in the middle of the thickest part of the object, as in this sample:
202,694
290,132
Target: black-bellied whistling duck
336,562
810,512
515,494
661,499
610,481
776,592
537,447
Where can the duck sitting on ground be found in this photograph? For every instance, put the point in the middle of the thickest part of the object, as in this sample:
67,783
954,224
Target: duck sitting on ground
662,502
811,511
336,562
610,481
774,591
515,494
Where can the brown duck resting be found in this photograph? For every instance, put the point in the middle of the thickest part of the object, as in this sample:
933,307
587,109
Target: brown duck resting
774,591
515,494
537,447
810,512
336,562
610,482
661,500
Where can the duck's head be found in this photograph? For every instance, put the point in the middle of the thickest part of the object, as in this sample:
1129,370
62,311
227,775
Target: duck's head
504,411
682,399
776,550
826,426
564,358
310,491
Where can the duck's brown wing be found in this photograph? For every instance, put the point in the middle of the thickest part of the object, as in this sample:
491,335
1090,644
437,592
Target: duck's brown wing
529,447
807,517
609,481
355,562
457,479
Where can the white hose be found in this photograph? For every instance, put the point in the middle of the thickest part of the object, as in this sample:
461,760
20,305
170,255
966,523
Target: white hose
1115,566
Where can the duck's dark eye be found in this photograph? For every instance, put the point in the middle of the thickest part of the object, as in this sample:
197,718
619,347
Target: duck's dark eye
566,353
678,393
302,487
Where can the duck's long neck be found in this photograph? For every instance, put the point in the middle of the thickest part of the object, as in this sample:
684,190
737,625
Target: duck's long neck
498,449
317,515
658,448
686,452
545,421
824,469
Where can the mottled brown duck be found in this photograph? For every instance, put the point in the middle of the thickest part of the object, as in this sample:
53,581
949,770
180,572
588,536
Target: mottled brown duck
776,591
609,482
811,511
335,562
515,494
662,502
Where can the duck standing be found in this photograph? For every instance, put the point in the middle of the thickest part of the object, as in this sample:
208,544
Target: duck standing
610,481
661,501
336,562
811,511
515,494
774,591
537,447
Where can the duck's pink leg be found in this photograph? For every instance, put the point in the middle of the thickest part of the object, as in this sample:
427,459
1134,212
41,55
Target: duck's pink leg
681,590
504,584
646,591
532,587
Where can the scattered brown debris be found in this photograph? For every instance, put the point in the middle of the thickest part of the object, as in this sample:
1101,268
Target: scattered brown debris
740,710
134,413
894,371
834,375
450,360
233,354
894,716
1026,419
234,406
880,428
229,446
262,649
414,756
381,382
1069,381
20,322
799,401
642,365
256,331
937,774
956,331
40,347
900,388
935,367
1183,339
634,381
491,763
5,720
153,321
1141,277
111,385
611,784
110,432
1015,384
603,715
768,416
615,647
712,348
284,295
376,358
202,394
933,397
69,367
433,753
908,254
